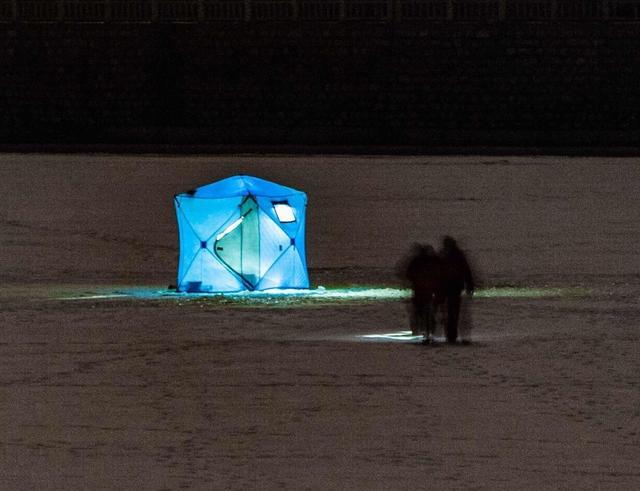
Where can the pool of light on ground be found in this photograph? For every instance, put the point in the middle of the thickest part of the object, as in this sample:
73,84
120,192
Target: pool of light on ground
320,295
400,336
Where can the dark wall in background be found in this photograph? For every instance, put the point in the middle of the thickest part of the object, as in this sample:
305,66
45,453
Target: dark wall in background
449,83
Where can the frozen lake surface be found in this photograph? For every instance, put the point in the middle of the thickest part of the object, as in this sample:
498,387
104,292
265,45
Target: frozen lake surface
110,380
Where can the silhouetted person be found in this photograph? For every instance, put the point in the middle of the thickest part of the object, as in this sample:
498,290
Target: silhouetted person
421,272
455,276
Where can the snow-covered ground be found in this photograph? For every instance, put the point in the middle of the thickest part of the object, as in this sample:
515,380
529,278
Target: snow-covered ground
109,380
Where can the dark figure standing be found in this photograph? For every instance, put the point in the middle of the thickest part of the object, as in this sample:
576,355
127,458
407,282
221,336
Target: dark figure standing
456,276
421,271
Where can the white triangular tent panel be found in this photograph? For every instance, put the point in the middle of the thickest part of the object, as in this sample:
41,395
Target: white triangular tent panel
208,274
273,242
286,272
190,246
208,217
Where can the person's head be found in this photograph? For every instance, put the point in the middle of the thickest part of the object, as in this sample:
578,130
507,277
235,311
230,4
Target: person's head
416,249
427,250
449,243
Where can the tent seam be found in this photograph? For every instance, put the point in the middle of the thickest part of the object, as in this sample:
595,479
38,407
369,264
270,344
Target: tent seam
228,219
189,223
189,267
273,264
230,270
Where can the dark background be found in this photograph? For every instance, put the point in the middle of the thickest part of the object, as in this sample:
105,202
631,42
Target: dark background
390,76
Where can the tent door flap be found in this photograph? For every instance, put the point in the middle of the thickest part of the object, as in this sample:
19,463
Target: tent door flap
238,246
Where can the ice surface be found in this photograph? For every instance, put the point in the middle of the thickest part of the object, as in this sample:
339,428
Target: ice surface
110,381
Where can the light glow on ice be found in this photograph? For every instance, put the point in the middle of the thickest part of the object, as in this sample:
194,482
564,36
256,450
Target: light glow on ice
401,336
320,295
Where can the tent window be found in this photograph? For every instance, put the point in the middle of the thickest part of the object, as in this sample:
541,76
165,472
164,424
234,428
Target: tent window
284,212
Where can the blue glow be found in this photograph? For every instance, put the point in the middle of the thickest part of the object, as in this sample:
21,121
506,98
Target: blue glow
259,231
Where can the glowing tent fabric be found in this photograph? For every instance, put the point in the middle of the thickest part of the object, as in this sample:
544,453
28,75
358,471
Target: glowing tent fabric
241,233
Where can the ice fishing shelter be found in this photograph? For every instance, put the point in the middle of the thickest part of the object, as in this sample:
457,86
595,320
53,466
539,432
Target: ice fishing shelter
241,233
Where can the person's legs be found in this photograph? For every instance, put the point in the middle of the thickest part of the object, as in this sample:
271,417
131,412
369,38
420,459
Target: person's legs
414,318
420,303
439,313
453,314
430,319
420,322
423,315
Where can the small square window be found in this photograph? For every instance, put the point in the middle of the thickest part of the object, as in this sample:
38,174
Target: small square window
284,212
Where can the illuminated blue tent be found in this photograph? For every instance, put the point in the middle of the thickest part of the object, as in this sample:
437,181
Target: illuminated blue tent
241,233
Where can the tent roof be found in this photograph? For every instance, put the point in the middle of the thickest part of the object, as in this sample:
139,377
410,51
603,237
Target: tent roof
241,186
